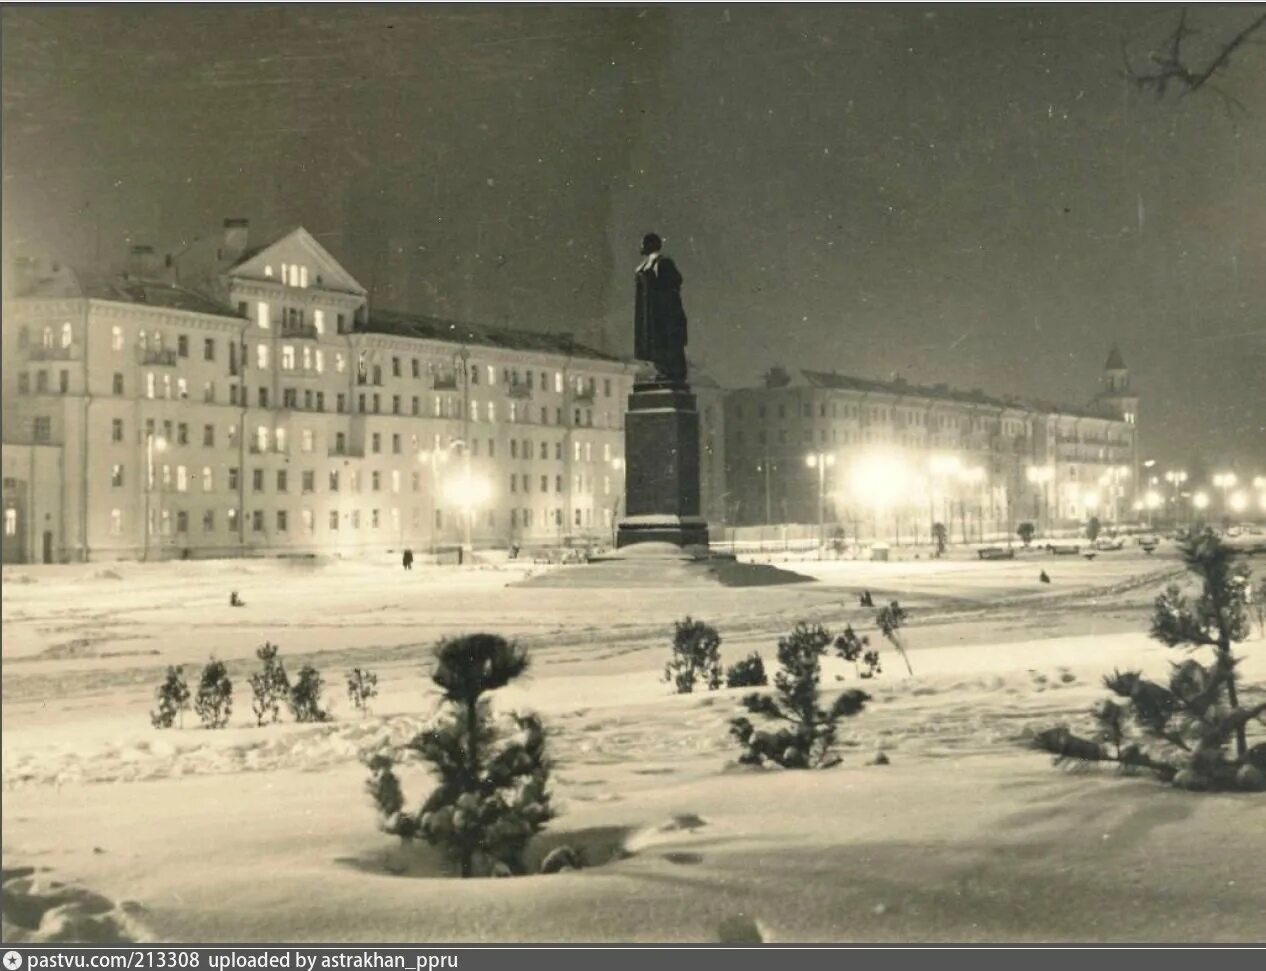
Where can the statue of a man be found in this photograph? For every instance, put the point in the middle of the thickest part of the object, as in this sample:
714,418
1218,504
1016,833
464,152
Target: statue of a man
659,324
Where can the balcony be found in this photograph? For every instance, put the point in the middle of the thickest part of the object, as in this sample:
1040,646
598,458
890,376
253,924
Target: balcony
348,452
364,379
519,390
160,356
444,381
300,331
40,353
583,397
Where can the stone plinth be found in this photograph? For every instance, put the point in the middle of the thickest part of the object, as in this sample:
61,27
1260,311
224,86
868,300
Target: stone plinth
661,454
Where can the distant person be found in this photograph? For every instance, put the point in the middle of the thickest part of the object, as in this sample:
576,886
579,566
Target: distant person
235,600
407,560
1042,577
514,551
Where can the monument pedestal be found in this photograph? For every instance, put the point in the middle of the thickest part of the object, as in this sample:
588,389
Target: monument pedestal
661,455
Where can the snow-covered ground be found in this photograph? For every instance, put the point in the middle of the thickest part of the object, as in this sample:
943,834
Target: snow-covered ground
111,828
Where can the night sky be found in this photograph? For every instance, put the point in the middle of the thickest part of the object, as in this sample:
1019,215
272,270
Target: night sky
961,195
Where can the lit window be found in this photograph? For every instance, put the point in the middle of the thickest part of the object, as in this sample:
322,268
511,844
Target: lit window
492,374
261,438
395,480
208,481
340,363
268,271
182,479
558,381
287,357
285,273
281,439
474,411
261,356
492,411
116,522
149,384
306,439
182,388
116,339
262,314
10,522
303,276
320,360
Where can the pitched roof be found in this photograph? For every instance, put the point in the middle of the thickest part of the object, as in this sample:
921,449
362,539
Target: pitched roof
1115,361
404,324
943,392
67,283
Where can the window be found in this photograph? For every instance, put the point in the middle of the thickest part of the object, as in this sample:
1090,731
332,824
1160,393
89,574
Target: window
263,397
257,480
558,382
309,521
67,335
116,430
261,312
233,479
334,519
261,438
43,428
116,476
182,345
340,362
208,521
417,405
116,522
257,520
375,443
208,436
309,481
340,443
116,338
307,440
182,434
232,518
395,367
395,480
287,357
208,392
261,356
395,404
318,321
334,480
373,519
492,374
340,403
376,481
208,480
208,349
281,440
395,443
545,483
281,520
281,480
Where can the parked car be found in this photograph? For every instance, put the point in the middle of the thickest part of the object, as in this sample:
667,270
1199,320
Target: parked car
1110,543
1066,547
996,553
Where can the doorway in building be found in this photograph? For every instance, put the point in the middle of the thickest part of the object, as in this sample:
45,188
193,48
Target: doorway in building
48,546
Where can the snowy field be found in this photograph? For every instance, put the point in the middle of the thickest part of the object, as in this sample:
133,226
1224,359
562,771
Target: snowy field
114,829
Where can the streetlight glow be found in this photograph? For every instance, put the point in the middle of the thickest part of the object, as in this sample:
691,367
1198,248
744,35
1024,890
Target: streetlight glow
879,480
1200,500
1239,502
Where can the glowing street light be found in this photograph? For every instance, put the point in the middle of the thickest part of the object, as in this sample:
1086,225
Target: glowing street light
1200,500
821,461
1239,501
468,491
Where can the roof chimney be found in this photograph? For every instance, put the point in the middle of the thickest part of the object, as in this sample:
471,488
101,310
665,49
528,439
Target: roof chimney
236,235
142,262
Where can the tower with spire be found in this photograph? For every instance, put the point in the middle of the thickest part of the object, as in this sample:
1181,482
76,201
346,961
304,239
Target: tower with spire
1116,395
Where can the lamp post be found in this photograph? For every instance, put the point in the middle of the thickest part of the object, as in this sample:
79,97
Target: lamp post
1200,501
1225,481
975,476
821,461
1175,478
617,465
153,443
1041,475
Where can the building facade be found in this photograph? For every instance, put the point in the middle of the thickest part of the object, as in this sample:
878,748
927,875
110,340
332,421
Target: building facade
889,459
239,402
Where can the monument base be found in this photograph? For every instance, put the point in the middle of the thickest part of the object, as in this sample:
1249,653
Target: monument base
678,530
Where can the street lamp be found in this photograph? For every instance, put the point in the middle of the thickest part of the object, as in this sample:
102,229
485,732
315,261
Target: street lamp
1200,500
821,461
153,443
434,457
468,492
975,476
1239,501
1042,475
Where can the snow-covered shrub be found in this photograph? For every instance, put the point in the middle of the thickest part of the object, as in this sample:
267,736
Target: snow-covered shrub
806,732
850,646
305,696
270,686
1193,730
493,792
214,701
696,656
362,686
173,699
1026,531
890,620
747,673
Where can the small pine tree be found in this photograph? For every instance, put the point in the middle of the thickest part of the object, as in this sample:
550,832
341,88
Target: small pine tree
809,733
214,702
1093,526
849,646
173,699
305,696
747,673
1183,730
362,686
493,791
939,536
890,620
270,686
1026,532
696,656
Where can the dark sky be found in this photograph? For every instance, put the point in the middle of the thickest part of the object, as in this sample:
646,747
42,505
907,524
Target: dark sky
960,194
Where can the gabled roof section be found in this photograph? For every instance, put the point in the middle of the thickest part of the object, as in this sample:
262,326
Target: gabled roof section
297,246
404,324
1115,361
71,284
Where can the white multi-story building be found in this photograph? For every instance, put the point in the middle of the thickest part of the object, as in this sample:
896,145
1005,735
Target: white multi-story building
238,402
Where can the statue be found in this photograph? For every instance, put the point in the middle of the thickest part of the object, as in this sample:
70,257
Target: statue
659,324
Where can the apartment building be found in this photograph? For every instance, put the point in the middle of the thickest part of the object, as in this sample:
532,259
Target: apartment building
238,402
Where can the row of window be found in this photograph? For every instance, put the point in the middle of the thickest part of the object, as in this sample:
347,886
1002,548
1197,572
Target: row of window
583,484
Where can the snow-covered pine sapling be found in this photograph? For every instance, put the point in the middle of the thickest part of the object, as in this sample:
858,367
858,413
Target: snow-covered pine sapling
747,673
214,701
362,686
173,699
305,696
806,732
890,620
1191,731
696,657
493,791
269,687
850,646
